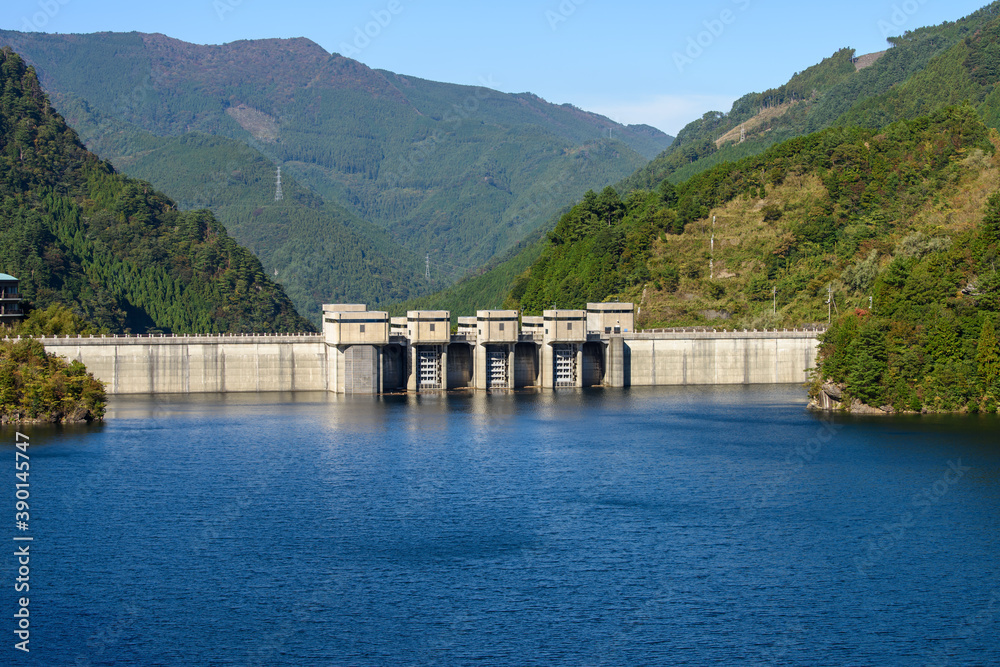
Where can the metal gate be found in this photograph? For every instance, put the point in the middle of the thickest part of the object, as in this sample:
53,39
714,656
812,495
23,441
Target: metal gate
360,370
429,365
565,359
592,371
497,365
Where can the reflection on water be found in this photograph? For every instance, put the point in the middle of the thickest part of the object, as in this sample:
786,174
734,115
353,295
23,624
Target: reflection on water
698,525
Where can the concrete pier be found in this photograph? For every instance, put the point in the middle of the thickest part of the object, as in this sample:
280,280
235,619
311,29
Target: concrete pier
366,352
616,362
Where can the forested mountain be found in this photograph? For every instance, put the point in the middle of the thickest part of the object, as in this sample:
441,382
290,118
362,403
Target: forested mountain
924,70
806,214
930,67
110,247
379,169
898,225
487,289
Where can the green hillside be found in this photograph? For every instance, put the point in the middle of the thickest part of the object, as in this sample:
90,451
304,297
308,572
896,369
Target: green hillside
110,247
397,167
36,386
319,251
898,224
795,218
931,342
486,290
925,70
830,93
884,223
968,71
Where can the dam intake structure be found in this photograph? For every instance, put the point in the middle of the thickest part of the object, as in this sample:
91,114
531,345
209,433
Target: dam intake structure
368,352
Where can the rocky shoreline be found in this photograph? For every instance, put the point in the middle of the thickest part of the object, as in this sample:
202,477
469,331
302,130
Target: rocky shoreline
831,398
80,415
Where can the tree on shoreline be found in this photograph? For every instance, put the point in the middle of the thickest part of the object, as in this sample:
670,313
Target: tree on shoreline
36,386
988,359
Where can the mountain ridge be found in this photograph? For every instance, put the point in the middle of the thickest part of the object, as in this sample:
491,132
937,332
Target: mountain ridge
838,86
405,166
77,233
822,96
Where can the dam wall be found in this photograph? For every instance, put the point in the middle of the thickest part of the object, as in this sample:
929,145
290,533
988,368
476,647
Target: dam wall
732,357
200,364
157,364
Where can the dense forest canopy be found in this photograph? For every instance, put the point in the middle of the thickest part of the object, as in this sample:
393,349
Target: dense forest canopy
868,184
379,170
114,249
36,386
931,343
923,71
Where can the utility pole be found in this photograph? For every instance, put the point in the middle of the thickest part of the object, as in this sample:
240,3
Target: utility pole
831,305
774,295
711,259
829,302
711,254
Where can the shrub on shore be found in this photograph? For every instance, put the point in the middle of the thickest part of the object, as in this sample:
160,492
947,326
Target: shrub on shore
36,386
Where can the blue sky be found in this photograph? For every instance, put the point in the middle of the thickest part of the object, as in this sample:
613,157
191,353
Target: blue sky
661,63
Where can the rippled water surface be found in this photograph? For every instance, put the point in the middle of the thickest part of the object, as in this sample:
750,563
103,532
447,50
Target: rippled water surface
666,526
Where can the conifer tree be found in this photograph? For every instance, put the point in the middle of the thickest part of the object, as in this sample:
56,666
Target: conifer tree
988,357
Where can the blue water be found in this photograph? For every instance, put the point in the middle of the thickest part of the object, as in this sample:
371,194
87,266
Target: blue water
606,527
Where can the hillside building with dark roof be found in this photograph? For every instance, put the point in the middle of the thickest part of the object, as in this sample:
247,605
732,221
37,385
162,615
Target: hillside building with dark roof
10,300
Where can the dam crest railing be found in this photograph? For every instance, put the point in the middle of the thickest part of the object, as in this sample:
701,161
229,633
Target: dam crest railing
672,333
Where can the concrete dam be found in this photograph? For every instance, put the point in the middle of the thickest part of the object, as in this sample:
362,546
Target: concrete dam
366,352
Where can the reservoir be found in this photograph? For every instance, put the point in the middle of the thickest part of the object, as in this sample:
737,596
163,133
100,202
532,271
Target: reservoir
640,526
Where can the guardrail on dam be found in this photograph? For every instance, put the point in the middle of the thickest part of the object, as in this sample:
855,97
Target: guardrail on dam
364,352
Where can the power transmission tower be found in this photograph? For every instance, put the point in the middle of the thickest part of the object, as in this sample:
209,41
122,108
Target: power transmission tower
427,270
278,195
743,132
